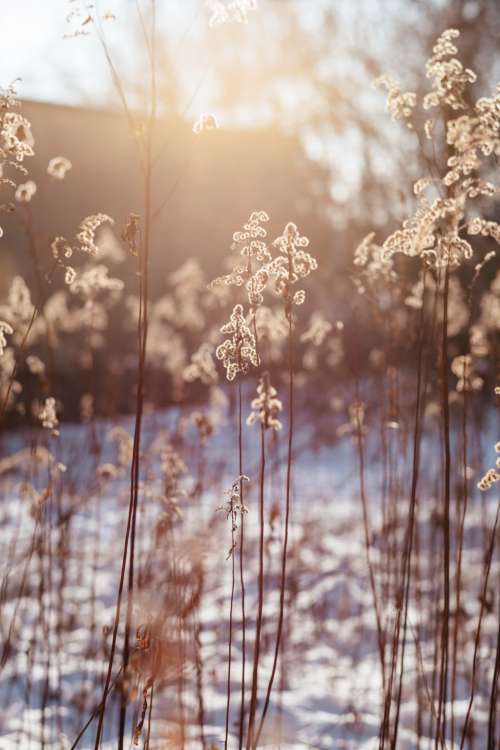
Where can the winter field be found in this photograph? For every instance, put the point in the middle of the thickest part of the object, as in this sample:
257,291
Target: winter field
249,384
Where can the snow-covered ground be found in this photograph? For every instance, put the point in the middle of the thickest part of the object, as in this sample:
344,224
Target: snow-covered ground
328,690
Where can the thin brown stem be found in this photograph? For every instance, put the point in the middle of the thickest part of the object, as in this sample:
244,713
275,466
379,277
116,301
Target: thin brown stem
445,409
258,626
286,529
477,640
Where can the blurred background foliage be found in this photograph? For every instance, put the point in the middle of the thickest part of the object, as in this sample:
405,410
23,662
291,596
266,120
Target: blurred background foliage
302,135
